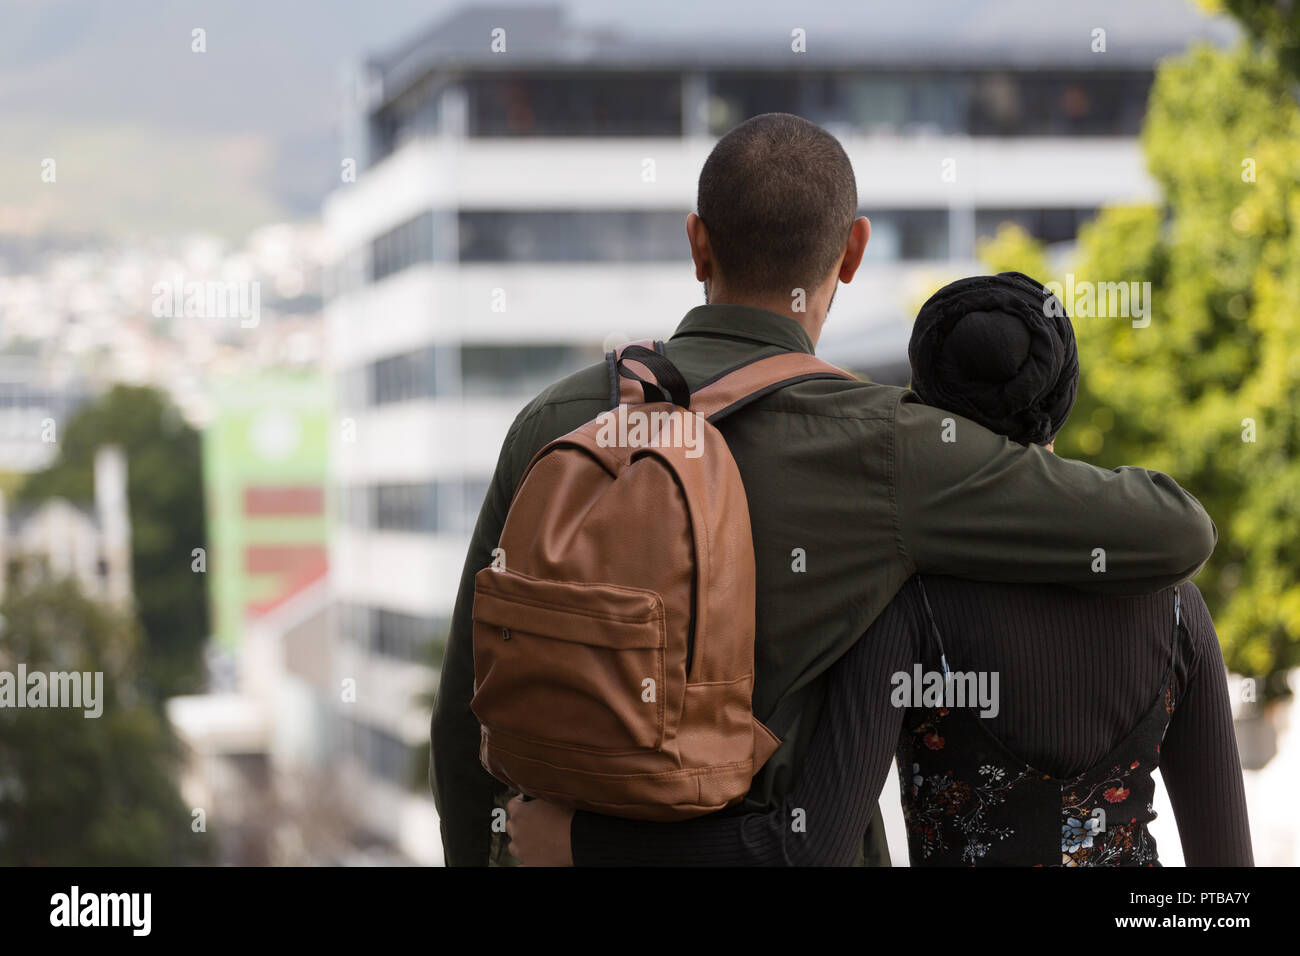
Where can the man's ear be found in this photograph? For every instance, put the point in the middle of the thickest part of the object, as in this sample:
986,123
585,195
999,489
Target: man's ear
859,235
701,252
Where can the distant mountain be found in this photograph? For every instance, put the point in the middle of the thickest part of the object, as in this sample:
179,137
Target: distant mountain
149,137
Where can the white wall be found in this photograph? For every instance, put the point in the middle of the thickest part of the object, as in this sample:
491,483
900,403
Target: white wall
892,172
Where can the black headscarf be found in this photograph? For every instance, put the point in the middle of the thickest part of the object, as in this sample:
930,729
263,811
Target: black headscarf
998,350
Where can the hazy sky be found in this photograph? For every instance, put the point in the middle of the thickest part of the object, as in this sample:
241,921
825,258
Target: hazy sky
150,137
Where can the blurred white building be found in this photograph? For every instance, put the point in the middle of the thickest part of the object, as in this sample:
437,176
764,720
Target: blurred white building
520,192
90,544
34,407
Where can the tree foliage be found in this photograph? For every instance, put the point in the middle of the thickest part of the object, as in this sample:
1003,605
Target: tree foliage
1273,24
76,790
1208,391
165,492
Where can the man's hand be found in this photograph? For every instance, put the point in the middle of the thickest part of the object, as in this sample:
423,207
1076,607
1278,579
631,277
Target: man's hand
539,832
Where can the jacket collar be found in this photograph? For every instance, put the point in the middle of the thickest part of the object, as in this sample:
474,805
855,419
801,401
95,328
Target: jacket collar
746,322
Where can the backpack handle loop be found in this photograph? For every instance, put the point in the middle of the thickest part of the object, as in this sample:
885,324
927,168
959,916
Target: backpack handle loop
667,385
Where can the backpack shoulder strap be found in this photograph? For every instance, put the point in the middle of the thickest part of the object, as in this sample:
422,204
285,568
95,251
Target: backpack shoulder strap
723,394
738,387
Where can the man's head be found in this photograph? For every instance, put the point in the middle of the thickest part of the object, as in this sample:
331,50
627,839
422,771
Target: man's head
998,350
777,211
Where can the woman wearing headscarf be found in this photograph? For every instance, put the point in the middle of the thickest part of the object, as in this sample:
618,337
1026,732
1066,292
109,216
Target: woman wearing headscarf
1026,720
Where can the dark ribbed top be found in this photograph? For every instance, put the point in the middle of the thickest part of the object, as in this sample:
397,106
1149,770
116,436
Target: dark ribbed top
1077,671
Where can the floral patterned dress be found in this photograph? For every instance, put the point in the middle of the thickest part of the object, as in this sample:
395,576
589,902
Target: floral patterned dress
969,801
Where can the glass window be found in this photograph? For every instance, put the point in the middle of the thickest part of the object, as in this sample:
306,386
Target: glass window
396,634
842,101
406,507
575,104
485,371
422,239
448,506
573,235
908,234
1006,103
979,102
401,378
382,754
1047,225
497,370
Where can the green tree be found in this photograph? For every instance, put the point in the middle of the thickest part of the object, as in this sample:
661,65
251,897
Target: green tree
165,492
78,790
1015,250
1208,390
1272,24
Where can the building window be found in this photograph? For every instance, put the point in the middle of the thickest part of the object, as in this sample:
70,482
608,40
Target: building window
947,102
843,102
1005,103
573,235
907,234
406,507
401,378
1046,225
415,114
382,754
449,506
575,104
627,235
402,247
429,237
979,102
559,235
412,638
488,371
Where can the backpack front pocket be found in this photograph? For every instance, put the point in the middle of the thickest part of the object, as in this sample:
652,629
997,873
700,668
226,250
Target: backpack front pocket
575,666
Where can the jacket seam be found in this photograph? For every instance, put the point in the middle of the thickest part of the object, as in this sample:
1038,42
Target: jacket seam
565,401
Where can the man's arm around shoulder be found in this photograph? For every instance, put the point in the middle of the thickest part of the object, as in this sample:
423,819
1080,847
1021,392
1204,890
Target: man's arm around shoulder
974,504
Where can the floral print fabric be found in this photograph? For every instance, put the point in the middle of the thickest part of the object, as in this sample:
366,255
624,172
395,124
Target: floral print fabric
969,801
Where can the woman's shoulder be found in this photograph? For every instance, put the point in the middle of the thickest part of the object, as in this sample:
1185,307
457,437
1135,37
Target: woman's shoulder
1200,624
1191,599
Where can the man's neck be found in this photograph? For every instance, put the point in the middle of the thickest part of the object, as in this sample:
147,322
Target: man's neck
811,321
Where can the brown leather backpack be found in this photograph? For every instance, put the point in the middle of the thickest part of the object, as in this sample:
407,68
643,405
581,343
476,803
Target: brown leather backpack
614,631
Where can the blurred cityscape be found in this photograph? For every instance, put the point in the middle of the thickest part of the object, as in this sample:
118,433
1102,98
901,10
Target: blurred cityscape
341,382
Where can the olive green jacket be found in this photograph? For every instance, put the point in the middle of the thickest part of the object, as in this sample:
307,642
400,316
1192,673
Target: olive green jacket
852,487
